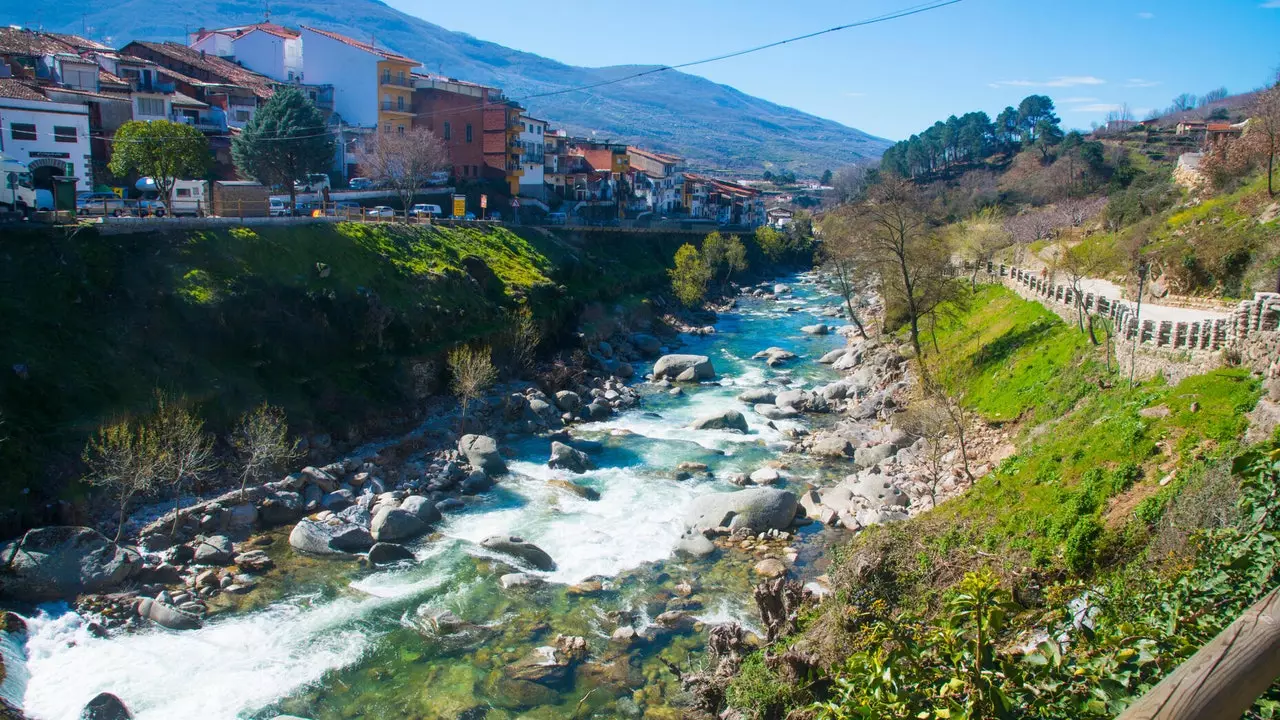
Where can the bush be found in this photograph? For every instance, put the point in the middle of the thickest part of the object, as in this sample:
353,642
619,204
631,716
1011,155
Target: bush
760,693
1082,544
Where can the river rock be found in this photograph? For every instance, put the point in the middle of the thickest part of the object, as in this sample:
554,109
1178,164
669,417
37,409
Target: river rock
338,500
598,410
284,507
797,399
581,491
61,561
394,524
167,615
105,706
673,366
833,356
624,371
320,478
544,666
831,446
878,489
514,580
781,289
756,396
385,553
773,412
771,568
695,544
568,401
518,547
329,537
647,345
256,561
568,458
819,329
422,507
476,482
723,420
213,550
482,452
765,476
774,356
871,456
758,508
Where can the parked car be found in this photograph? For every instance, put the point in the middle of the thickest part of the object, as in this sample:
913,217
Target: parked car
438,178
345,208
152,207
278,208
381,211
557,218
426,210
98,203
360,183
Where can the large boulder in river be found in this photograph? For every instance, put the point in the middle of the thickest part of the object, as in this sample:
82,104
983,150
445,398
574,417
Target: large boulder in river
756,396
759,509
482,452
571,459
422,507
647,345
394,525
519,548
723,420
819,329
52,563
166,615
673,366
329,537
105,706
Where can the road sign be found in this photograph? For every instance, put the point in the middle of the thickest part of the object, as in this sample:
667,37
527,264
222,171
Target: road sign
459,205
484,201
515,203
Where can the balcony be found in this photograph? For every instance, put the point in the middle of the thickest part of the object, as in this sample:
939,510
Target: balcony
151,86
396,81
385,106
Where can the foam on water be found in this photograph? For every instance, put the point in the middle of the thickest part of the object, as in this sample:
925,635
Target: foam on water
226,668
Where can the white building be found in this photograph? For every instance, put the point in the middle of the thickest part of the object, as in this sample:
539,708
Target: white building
51,138
265,48
372,87
533,145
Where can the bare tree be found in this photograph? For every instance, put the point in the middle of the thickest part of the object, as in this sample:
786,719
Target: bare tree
979,238
1184,102
840,260
1264,124
403,160
261,440
186,449
850,183
473,372
124,458
1080,262
925,420
521,337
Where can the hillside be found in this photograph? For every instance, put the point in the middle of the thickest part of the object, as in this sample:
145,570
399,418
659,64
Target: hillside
710,123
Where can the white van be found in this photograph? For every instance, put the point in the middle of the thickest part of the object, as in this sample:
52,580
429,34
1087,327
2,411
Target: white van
16,192
189,197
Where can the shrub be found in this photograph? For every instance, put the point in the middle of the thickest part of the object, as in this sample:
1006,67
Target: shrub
1082,544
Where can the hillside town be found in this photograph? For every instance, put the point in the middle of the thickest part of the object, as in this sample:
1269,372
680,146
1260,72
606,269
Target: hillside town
63,97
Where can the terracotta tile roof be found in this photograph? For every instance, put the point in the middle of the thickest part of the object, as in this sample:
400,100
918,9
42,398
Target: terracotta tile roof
118,97
652,155
80,43
724,186
219,70
108,79
21,41
18,90
266,27
385,54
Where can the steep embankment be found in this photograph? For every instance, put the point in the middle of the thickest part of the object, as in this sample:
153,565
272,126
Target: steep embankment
1102,499
342,325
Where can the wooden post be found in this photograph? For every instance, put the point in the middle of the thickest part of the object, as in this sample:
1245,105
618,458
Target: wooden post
1226,676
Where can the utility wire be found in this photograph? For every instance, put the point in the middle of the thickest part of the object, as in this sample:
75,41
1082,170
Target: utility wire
895,15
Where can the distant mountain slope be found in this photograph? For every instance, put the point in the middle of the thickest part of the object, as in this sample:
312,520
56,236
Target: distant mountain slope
710,123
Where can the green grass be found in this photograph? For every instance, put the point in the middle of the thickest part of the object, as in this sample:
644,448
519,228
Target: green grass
324,320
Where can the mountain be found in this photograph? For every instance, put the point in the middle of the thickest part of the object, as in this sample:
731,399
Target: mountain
711,124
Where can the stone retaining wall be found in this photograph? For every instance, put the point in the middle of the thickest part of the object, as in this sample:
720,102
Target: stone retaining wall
1252,329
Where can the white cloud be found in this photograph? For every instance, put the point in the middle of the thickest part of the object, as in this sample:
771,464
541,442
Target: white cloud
1149,16
1271,5
1061,81
1141,83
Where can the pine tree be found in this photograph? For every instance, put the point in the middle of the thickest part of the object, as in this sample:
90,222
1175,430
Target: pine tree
286,139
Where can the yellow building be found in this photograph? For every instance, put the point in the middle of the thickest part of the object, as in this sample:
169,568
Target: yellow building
395,93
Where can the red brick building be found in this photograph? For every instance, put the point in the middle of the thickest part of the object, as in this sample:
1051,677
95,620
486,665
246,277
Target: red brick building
477,123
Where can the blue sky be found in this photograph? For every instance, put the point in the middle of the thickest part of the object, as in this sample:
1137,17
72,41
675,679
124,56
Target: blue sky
895,78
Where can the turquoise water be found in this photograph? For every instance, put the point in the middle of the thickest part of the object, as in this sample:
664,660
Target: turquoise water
332,640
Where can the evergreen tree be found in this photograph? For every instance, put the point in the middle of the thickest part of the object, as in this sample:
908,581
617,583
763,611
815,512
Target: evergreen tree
286,139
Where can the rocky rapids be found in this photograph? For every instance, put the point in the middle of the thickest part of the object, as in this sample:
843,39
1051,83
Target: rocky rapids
537,572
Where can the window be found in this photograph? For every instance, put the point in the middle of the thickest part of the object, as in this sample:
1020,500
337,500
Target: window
64,134
22,131
242,116
475,170
448,130
399,102
387,128
386,77
183,192
400,129
468,132
151,106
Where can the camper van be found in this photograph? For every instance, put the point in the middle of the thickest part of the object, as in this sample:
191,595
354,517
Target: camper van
16,192
189,197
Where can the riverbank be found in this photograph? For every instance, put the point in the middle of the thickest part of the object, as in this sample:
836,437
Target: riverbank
615,583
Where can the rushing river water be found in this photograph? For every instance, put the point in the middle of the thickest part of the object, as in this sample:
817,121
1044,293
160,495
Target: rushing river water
327,640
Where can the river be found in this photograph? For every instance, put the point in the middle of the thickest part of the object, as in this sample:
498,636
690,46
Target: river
327,640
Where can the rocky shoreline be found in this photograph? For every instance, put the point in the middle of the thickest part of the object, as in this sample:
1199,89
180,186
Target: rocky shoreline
366,505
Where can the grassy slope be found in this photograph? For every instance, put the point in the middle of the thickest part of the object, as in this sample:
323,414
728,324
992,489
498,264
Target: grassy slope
325,320
1085,457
